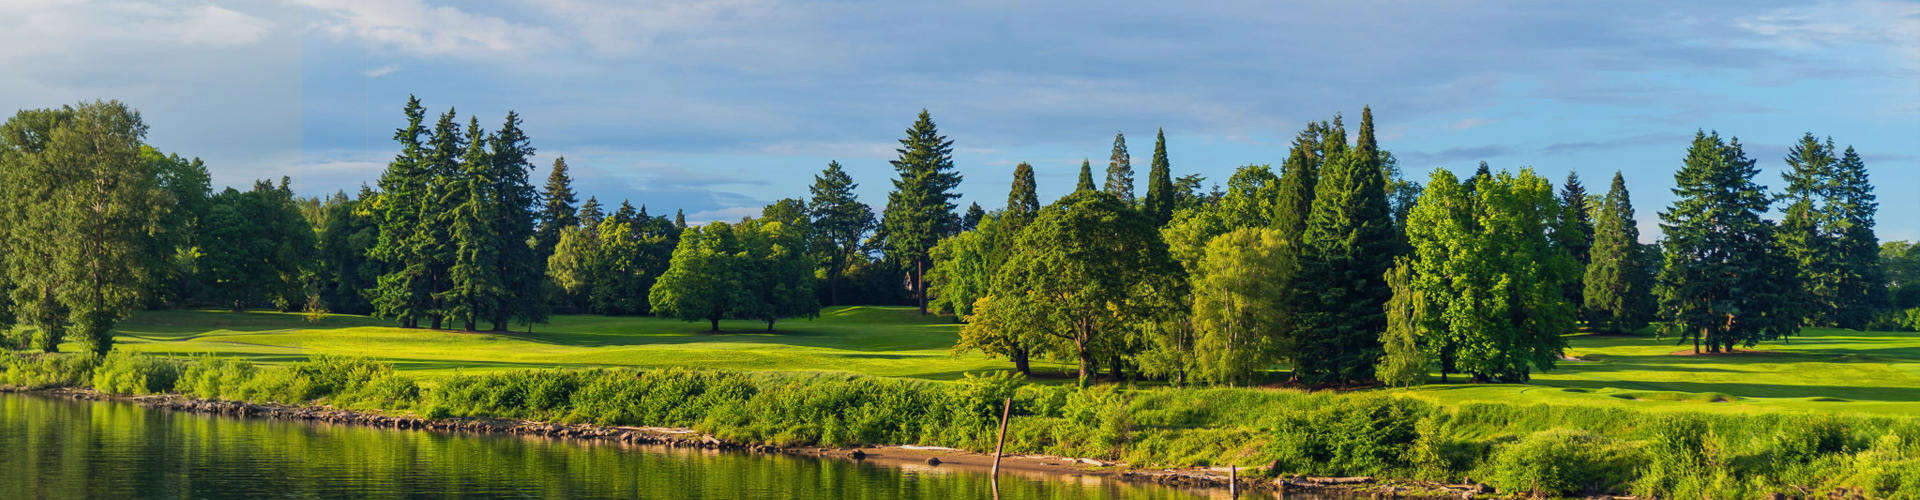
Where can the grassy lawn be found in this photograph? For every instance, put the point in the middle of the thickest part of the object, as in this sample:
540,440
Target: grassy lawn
1823,370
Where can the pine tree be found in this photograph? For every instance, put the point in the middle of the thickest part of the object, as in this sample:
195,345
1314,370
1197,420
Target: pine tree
520,265
474,290
841,221
401,292
626,214
1346,248
1022,198
920,208
1802,234
1615,281
1160,190
1725,281
1086,177
1298,177
971,219
1860,287
1120,170
680,219
431,241
1573,234
591,215
558,211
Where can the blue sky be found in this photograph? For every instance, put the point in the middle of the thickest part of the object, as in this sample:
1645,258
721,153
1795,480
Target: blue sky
720,107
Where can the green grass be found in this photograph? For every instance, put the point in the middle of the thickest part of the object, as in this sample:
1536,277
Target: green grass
1824,370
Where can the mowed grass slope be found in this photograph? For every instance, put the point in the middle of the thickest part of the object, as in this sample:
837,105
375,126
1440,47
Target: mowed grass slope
885,341
1823,370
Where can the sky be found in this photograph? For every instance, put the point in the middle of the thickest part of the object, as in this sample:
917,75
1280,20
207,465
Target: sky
720,107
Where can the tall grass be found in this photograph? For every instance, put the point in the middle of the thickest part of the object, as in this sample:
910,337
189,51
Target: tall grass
1520,449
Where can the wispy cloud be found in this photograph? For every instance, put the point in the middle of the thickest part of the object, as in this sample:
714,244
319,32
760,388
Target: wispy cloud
381,71
414,27
1648,139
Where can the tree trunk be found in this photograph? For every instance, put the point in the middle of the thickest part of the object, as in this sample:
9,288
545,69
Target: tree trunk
920,283
770,325
1019,357
436,322
1086,361
1114,367
716,325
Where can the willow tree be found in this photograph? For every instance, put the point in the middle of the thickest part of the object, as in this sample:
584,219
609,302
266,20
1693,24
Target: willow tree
1240,308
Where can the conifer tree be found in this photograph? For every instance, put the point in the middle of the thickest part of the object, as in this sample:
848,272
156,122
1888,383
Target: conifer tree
431,241
626,214
1346,248
971,219
841,221
1860,284
1573,234
1724,281
680,219
1120,170
519,263
1022,198
1615,282
920,208
475,288
1803,232
557,211
1298,177
1086,177
402,292
1160,190
591,215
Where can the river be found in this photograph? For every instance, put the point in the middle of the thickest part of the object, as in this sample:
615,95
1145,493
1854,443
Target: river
59,448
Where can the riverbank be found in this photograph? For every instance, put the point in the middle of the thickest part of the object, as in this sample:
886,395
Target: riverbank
907,457
1273,436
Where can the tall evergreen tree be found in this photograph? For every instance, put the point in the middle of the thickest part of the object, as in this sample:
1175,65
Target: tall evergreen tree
1120,170
432,241
1086,177
1298,177
1022,198
402,292
1860,286
1616,296
680,219
1346,248
591,215
520,265
1160,190
475,288
841,221
1573,234
920,208
557,210
1724,281
971,219
1802,233
344,270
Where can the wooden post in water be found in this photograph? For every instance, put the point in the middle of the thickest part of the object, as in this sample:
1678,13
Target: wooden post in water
1233,481
999,444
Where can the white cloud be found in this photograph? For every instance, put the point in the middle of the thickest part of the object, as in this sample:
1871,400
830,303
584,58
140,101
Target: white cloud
1892,25
414,27
214,26
381,71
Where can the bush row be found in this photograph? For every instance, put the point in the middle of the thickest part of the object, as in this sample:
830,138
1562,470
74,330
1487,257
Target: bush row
1534,449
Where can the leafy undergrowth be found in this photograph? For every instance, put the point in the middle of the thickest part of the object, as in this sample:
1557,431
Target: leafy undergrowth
1521,449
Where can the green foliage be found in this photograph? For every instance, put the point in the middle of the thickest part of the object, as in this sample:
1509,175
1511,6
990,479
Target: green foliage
839,223
557,211
123,373
1161,195
920,209
1351,436
1239,304
1724,283
701,281
1563,463
1616,283
263,248
1402,362
1120,171
1086,177
1347,246
342,269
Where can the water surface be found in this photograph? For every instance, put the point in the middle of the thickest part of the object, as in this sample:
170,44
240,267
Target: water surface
58,448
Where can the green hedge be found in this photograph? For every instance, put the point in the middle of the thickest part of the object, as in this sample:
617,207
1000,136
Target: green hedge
1531,449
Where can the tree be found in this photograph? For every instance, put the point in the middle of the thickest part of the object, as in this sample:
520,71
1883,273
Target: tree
702,282
343,270
177,245
963,268
1120,170
775,271
81,205
1239,304
557,210
520,264
1086,177
1089,266
263,248
1021,198
1298,178
1161,196
591,215
1860,284
1616,291
841,221
1573,233
475,287
1346,247
619,282
1803,232
1004,326
920,208
1403,363
1724,282
401,291
571,267
972,218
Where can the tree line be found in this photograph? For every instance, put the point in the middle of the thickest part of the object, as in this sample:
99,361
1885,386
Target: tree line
1332,264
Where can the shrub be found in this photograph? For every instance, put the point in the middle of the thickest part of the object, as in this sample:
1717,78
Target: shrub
1367,435
120,372
45,370
214,378
1563,463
